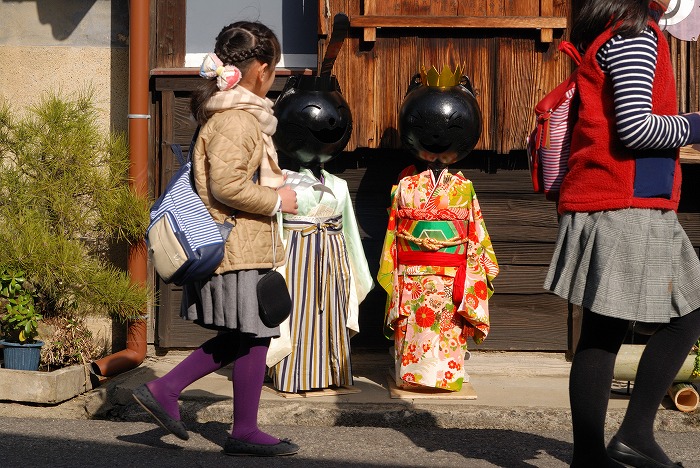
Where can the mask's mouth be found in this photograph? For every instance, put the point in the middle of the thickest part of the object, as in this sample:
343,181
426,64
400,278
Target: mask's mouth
329,136
435,148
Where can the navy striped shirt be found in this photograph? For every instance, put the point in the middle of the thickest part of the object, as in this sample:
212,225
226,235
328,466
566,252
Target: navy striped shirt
631,64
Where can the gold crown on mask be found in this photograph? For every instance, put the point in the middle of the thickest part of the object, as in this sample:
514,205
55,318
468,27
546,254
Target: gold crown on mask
443,79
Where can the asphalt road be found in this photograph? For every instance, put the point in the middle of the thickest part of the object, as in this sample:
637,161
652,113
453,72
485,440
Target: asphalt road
32,442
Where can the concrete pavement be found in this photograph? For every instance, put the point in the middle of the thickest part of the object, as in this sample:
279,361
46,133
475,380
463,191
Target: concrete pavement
58,443
514,391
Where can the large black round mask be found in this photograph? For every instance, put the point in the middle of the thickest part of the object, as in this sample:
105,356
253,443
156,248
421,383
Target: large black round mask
313,119
440,125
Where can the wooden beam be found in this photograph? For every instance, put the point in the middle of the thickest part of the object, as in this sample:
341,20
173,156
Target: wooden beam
546,35
546,24
406,21
169,33
369,34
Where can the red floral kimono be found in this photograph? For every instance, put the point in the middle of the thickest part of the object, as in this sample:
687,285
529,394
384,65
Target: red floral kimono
437,266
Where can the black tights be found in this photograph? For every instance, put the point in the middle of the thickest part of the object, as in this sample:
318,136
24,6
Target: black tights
591,379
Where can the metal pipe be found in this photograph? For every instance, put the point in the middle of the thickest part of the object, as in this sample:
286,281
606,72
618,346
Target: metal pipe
139,25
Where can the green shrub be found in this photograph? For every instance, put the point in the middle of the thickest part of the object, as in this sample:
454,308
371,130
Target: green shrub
65,203
20,320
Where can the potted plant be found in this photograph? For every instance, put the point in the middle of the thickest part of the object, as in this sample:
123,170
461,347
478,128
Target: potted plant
19,322
67,217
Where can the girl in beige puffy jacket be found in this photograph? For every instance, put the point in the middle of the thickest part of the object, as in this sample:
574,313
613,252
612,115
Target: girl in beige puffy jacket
236,174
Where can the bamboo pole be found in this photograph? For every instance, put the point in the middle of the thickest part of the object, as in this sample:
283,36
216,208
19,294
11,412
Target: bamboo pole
684,396
628,361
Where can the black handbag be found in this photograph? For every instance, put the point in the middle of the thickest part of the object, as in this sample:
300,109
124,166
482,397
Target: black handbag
274,301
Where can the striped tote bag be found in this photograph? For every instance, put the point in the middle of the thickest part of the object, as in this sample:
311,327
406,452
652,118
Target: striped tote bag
548,144
184,242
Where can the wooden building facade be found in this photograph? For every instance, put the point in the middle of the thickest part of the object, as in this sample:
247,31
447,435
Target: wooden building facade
509,51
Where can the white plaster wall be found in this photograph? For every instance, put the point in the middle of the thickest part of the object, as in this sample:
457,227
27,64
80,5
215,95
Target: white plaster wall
67,46
68,70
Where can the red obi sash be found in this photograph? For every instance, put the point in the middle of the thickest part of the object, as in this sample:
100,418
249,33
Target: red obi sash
417,258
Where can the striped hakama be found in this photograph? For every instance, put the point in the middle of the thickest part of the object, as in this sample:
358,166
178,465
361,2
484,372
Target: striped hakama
319,277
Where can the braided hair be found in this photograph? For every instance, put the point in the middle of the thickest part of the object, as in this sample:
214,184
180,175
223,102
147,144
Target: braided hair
238,44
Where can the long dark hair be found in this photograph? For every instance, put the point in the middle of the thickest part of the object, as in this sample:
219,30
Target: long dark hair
627,17
237,44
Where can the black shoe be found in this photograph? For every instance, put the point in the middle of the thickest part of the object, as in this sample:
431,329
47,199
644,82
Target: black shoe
625,454
238,447
145,398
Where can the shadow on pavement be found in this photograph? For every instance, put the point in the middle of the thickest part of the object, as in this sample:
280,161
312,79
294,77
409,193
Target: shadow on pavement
500,447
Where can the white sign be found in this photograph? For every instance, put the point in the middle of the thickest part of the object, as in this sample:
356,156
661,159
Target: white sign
682,19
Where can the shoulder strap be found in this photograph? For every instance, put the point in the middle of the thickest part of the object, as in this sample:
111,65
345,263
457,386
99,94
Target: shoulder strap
177,149
555,97
569,49
192,143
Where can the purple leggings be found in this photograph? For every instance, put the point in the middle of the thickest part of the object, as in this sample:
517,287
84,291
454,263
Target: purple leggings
248,356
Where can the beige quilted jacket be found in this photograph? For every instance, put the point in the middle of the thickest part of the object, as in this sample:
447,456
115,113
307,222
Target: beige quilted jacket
227,154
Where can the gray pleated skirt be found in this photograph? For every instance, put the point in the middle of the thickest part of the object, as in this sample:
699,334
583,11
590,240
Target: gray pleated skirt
633,264
227,302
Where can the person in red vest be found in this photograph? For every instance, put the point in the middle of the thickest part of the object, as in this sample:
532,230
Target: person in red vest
621,253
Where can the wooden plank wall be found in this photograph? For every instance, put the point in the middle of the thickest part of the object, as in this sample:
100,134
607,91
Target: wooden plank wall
522,226
511,69
686,59
167,35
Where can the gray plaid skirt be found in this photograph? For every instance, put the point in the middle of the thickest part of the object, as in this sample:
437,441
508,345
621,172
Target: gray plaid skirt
633,264
227,302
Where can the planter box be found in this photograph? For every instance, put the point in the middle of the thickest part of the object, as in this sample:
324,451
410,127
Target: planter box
45,387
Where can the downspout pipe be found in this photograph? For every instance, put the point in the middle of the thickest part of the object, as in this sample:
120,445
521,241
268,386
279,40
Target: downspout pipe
137,262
